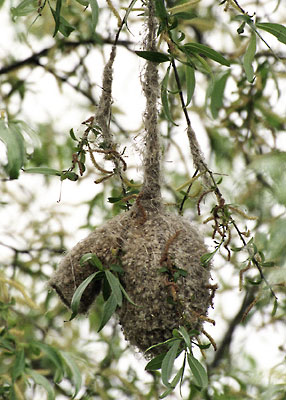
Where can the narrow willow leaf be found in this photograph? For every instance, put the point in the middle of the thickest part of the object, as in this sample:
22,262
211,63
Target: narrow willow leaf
217,94
24,128
19,365
164,96
117,268
26,7
79,292
202,64
190,83
155,363
275,306
161,9
249,57
57,16
128,11
51,353
168,363
275,29
108,310
154,56
73,371
42,381
171,340
65,28
94,13
72,134
72,176
268,264
12,394
84,3
126,295
243,17
92,259
185,336
205,51
11,136
185,15
43,171
173,384
113,200
206,258
199,372
115,287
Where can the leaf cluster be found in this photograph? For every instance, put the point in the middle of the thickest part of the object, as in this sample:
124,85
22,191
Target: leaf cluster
112,290
180,343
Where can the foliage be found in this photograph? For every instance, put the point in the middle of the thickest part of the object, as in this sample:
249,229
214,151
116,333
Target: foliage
222,71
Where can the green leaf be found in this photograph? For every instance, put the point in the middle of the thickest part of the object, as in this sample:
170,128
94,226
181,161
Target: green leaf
43,171
162,270
279,31
155,363
25,129
79,292
115,286
72,176
126,295
94,13
117,268
240,30
65,28
249,57
51,353
108,310
173,384
42,381
11,136
26,7
268,264
57,16
73,371
206,51
185,15
154,56
185,336
244,18
7,344
275,306
190,83
164,96
93,260
113,200
168,362
19,365
72,134
161,9
199,372
206,258
217,94
84,3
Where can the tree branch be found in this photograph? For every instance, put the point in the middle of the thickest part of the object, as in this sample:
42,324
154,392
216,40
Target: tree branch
224,347
34,58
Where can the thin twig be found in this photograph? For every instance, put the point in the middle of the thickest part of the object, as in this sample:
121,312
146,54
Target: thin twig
223,348
187,193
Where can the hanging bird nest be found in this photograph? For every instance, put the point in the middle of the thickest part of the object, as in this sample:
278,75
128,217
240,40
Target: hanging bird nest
159,252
